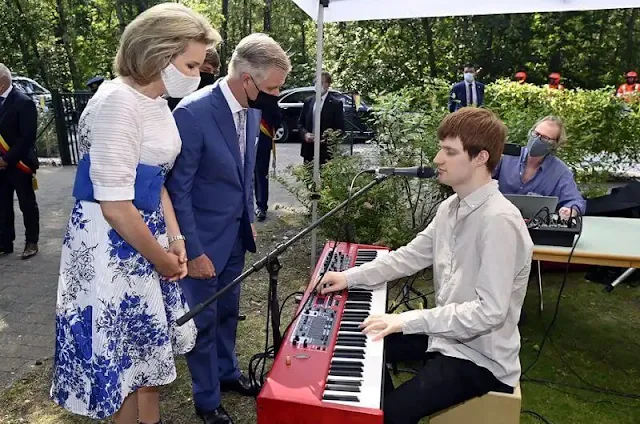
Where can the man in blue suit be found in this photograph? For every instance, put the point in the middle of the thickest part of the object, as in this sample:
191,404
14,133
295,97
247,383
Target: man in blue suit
212,191
468,92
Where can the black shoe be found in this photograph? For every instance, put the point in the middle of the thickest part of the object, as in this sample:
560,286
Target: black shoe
31,249
217,416
6,250
241,386
261,215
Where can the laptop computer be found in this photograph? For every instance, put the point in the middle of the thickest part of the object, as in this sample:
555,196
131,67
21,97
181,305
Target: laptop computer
531,205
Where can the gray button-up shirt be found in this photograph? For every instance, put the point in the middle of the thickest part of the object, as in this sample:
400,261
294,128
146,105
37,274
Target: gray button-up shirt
481,253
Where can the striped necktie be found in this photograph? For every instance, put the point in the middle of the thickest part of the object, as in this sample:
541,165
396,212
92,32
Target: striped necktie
242,139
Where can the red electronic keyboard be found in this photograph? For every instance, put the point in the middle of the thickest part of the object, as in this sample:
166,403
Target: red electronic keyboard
326,370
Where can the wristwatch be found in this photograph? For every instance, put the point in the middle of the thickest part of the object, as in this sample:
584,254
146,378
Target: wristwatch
176,238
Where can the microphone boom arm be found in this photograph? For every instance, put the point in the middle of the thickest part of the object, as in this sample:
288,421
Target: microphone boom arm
281,248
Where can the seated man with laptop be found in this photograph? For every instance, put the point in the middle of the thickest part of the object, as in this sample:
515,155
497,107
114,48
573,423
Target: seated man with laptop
538,171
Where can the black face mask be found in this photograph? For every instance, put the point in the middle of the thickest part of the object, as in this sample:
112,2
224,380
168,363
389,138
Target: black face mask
206,79
264,101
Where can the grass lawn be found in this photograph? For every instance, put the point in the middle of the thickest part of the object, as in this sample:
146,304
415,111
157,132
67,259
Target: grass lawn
596,336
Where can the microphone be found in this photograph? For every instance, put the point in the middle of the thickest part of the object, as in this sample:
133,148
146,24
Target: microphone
414,171
511,149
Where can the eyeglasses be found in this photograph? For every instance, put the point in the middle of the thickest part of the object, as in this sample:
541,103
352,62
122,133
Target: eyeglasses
544,138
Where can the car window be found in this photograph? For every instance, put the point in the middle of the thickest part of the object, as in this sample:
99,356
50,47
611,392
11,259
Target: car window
346,99
25,86
296,97
37,89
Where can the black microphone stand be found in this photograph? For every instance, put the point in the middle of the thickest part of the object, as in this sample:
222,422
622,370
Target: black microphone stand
273,267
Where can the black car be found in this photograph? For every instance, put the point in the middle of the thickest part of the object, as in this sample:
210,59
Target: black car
292,100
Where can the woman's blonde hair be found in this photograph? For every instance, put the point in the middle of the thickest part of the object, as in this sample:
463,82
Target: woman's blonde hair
156,36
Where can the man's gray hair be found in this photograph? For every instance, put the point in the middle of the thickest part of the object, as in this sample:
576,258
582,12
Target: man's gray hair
5,73
557,121
256,54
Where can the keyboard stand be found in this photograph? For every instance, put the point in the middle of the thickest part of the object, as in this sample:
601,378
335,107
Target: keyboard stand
273,268
609,288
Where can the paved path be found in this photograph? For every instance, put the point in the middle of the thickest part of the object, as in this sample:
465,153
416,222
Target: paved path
28,288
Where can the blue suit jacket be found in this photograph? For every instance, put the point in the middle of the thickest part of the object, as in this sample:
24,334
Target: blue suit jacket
212,193
458,95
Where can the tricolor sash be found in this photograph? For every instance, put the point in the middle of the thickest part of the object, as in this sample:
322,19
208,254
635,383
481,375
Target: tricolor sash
4,149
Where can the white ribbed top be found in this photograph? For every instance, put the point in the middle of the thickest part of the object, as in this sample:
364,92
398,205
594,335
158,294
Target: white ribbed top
120,128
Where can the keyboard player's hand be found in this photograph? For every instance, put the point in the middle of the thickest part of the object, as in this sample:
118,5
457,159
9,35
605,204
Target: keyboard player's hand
332,282
380,326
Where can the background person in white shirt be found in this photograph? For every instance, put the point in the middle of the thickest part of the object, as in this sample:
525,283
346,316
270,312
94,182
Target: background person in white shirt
480,251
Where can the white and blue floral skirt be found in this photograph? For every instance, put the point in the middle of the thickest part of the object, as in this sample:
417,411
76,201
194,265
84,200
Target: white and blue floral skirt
115,317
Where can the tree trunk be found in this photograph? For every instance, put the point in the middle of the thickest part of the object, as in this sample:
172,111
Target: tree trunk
225,37
245,20
303,42
267,15
122,22
431,54
33,44
629,59
67,45
488,62
24,49
268,6
142,5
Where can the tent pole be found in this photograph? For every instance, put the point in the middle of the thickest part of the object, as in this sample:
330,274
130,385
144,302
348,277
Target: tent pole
316,130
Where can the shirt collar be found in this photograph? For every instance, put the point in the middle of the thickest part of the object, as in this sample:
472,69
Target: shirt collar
476,198
7,91
234,105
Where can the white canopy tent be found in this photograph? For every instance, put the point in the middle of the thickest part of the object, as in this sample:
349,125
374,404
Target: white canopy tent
360,10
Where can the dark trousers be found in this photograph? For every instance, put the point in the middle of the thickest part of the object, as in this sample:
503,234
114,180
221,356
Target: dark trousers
324,158
261,180
213,359
442,381
13,180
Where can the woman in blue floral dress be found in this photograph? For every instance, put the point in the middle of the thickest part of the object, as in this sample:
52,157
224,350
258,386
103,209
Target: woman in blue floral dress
118,298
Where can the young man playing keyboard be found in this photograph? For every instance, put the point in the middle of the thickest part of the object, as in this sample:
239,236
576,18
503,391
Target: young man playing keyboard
480,250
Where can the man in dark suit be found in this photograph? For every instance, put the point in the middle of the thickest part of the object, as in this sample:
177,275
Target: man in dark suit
270,122
18,164
94,83
331,117
211,186
468,92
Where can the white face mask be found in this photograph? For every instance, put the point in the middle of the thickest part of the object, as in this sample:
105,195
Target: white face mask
469,77
178,85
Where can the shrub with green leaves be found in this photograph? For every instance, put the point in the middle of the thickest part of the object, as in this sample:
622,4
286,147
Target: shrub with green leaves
602,134
602,131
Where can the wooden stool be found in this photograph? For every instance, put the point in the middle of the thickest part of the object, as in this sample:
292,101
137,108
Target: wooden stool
492,408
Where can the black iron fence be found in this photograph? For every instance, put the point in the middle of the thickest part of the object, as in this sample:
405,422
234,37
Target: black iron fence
67,108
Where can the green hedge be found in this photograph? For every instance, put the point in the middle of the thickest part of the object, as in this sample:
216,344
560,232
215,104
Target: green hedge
602,138
603,132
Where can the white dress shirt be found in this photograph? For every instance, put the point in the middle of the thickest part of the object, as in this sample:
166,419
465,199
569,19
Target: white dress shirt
236,109
322,99
481,253
6,92
472,93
